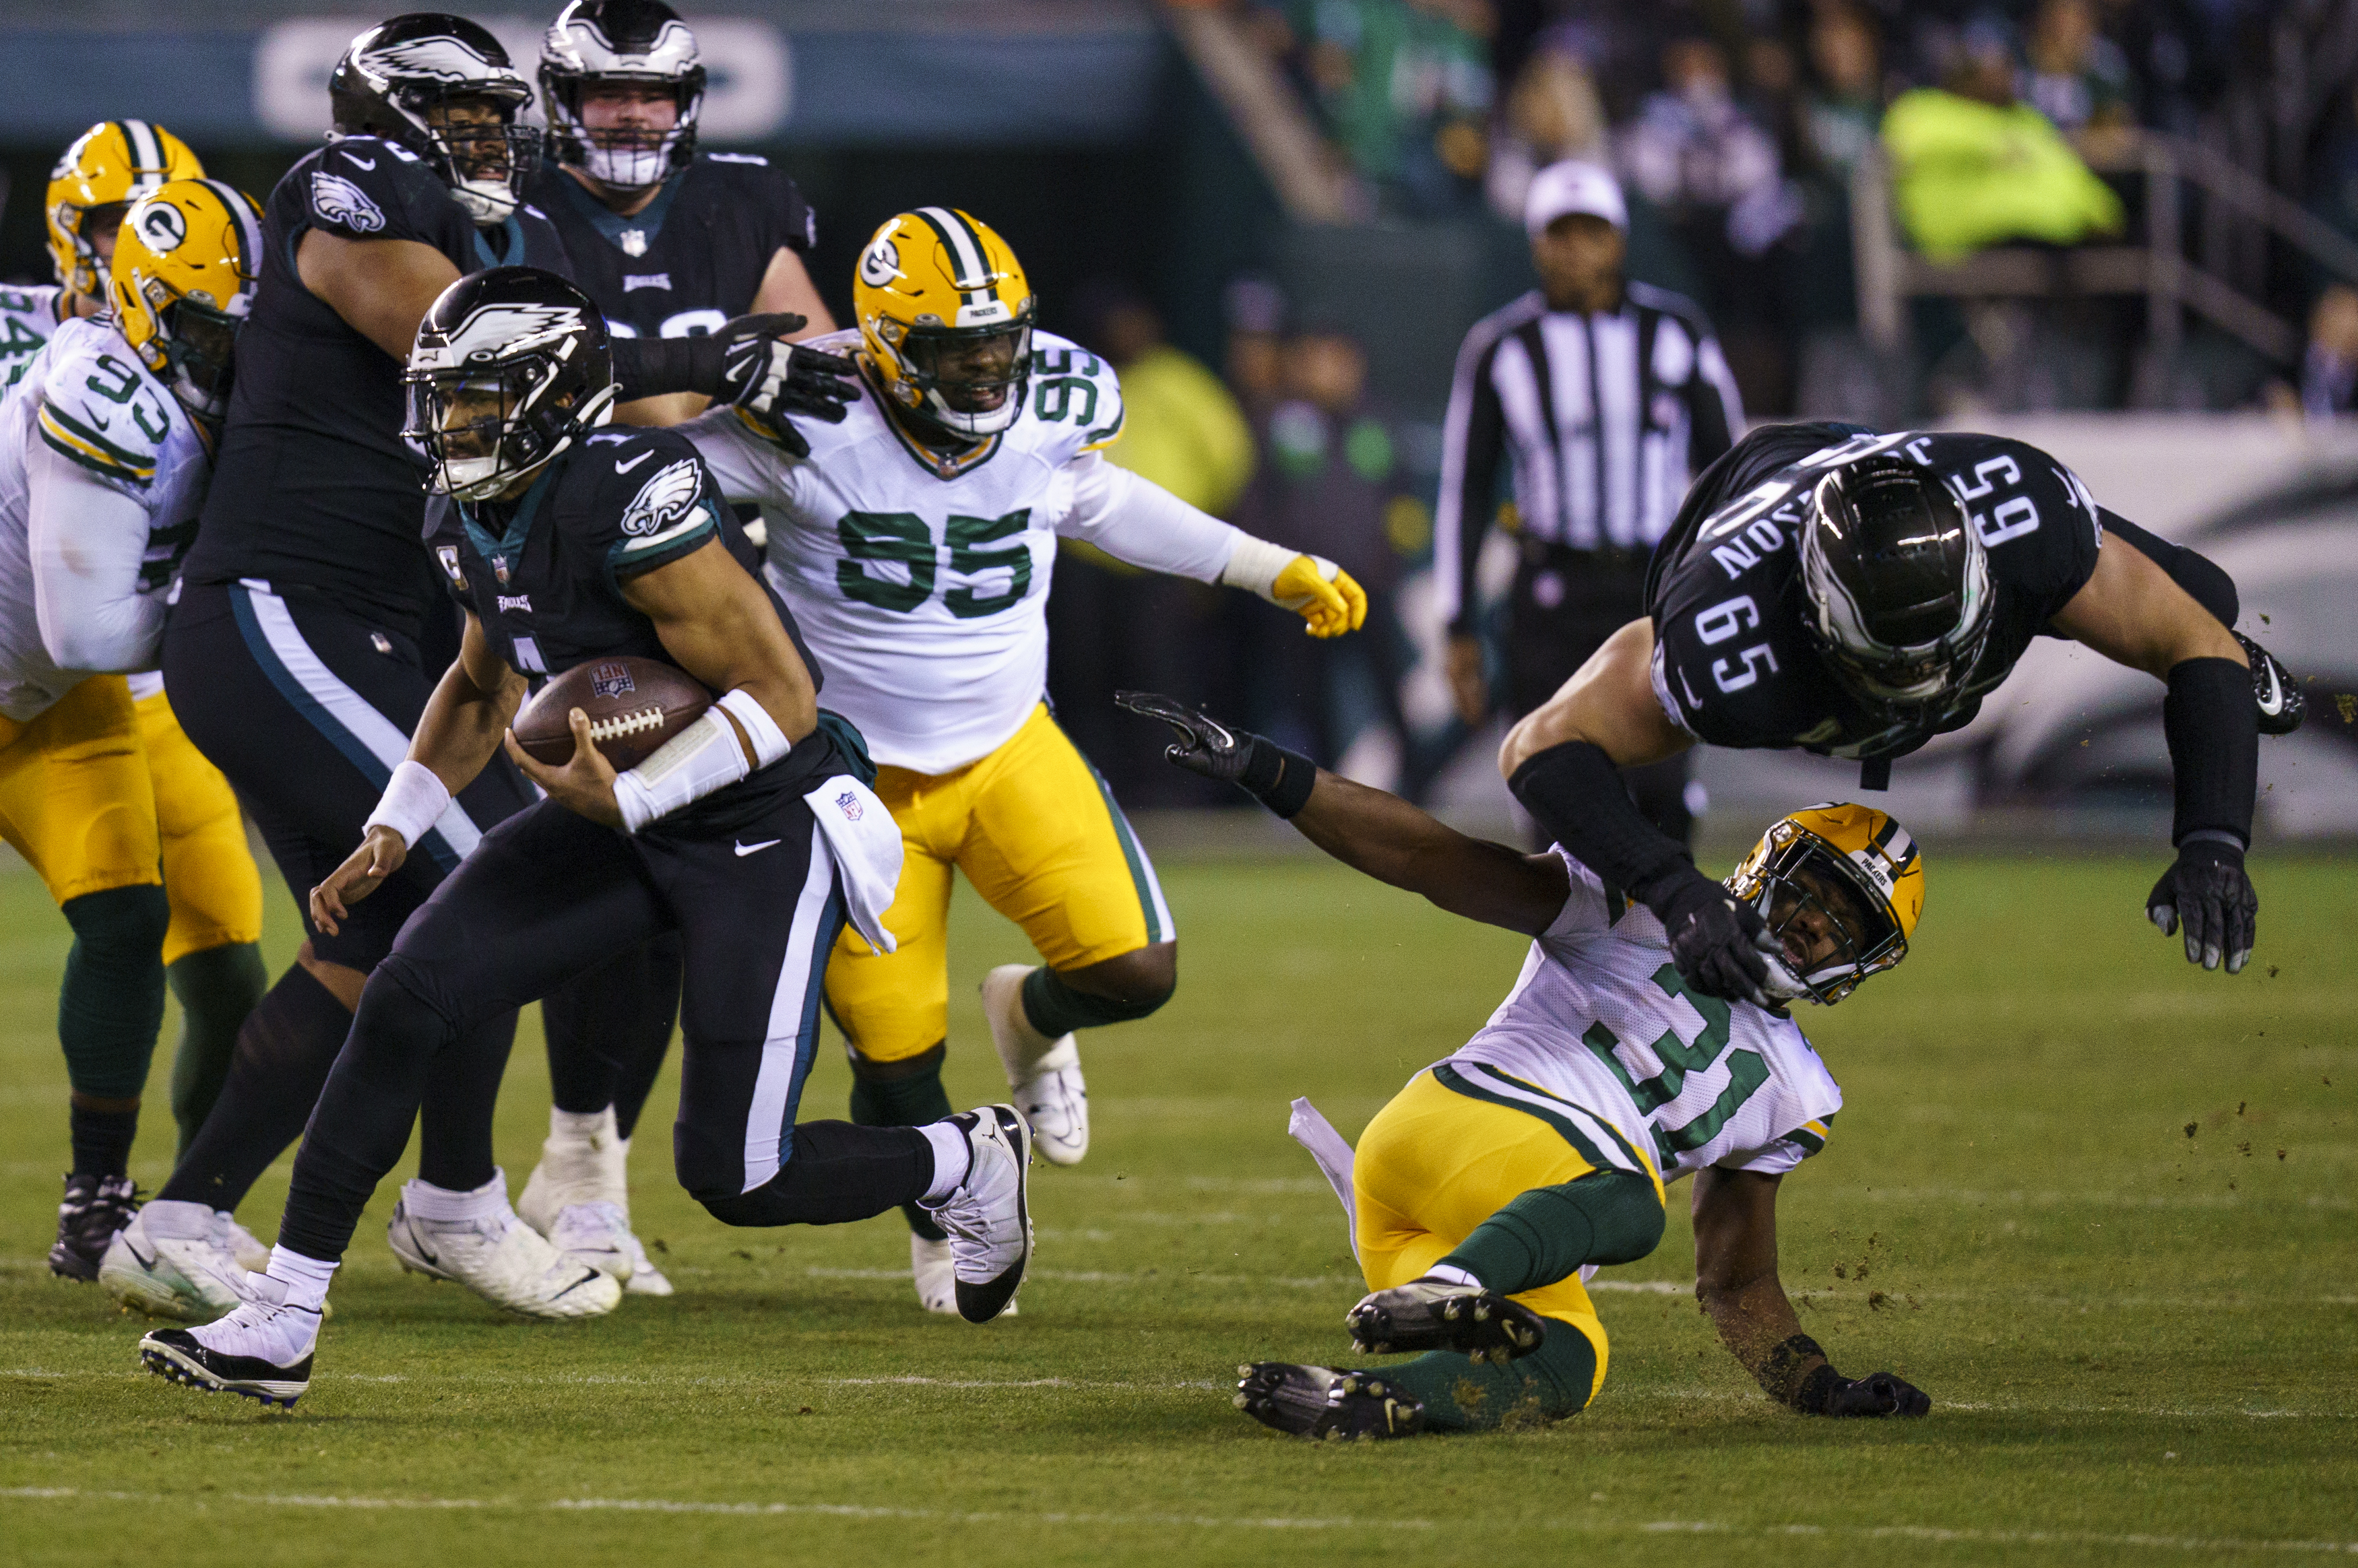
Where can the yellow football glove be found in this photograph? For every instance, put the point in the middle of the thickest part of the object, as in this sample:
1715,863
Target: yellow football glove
1323,594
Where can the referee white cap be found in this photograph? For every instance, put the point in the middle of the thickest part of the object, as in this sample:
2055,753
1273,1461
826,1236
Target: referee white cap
1573,187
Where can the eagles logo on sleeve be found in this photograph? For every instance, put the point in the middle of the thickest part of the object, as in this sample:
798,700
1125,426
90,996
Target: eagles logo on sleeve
338,200
668,508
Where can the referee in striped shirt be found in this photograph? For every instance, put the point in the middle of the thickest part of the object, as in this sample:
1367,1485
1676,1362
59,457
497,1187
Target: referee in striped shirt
1610,395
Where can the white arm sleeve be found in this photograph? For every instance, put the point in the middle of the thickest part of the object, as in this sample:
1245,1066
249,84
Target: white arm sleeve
1138,521
747,467
86,540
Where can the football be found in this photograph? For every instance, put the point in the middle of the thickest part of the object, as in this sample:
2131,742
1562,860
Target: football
635,706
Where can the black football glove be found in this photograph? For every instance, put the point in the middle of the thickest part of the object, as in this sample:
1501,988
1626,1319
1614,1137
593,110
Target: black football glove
770,378
2208,894
1278,778
1720,944
1876,1394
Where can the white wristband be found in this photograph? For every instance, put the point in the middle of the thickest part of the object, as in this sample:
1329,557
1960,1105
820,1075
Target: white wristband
770,742
412,801
700,758
1254,564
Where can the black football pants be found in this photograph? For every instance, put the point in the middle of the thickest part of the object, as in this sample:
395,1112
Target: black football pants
549,895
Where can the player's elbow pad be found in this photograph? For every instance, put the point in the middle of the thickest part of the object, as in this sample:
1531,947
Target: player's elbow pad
699,760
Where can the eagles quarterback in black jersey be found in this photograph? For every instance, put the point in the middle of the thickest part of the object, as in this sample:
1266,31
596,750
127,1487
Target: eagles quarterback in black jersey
1855,594
749,833
668,243
301,652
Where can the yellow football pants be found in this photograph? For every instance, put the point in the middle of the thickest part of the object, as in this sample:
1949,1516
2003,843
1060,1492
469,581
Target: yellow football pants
208,872
1437,1161
1038,834
75,799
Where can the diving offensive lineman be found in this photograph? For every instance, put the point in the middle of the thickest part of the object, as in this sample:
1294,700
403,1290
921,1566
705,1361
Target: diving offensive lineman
915,540
106,447
747,833
1855,594
668,243
1489,1189
303,646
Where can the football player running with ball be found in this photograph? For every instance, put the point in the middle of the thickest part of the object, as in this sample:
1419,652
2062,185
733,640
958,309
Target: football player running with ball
1490,1188
1855,594
105,451
746,832
914,539
670,243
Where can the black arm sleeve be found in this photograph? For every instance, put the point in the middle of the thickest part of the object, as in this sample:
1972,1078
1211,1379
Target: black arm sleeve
2203,579
648,367
1474,438
1576,793
2214,748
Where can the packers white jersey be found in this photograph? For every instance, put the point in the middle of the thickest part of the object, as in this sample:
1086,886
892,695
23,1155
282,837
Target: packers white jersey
27,318
88,399
925,598
1600,1018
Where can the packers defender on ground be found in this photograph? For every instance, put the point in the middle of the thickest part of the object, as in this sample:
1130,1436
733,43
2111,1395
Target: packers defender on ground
105,455
750,833
914,539
1490,1188
666,241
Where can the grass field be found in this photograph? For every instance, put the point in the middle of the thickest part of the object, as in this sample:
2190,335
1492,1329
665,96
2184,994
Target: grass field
2099,1205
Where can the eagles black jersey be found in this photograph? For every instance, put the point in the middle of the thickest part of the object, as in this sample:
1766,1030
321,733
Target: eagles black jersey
1734,663
690,259
543,575
314,487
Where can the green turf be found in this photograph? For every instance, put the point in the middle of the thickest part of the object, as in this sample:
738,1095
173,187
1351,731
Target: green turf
2098,1205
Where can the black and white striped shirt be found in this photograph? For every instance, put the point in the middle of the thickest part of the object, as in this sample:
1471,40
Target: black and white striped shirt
1609,417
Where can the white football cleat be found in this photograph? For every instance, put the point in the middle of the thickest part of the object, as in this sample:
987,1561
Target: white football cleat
1043,1074
646,1280
262,1350
243,1244
502,1260
576,1167
929,1265
174,1261
597,1235
988,1214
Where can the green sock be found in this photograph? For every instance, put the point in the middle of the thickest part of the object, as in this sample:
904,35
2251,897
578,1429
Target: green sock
1462,1394
216,988
110,1000
1605,1216
911,1099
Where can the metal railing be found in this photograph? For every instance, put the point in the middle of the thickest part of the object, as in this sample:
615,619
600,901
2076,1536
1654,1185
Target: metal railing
2161,269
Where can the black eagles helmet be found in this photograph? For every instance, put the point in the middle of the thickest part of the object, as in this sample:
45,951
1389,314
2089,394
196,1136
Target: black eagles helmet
402,79
510,366
1898,584
618,43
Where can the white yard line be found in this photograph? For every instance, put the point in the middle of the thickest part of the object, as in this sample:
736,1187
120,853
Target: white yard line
1927,1533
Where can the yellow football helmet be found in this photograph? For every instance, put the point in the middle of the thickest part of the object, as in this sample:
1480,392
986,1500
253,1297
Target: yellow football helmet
945,315
110,166
185,262
1840,886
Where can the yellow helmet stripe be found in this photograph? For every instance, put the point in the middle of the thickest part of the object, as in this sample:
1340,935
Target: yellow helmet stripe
970,269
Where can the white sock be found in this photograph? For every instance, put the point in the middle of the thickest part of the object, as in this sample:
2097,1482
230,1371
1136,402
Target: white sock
305,1279
426,1200
579,1126
953,1154
1449,1273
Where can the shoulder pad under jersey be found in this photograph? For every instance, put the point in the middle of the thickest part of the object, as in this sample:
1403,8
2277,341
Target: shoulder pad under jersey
1076,399
101,408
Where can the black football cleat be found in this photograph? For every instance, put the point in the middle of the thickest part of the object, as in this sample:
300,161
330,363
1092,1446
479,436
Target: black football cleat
176,1356
1433,1315
94,1208
1327,1402
2274,691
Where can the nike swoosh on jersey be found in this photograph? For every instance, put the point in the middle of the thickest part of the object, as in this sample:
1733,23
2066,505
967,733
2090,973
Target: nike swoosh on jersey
359,162
744,848
626,468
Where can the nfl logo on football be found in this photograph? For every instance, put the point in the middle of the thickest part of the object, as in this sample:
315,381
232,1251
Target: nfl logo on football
611,680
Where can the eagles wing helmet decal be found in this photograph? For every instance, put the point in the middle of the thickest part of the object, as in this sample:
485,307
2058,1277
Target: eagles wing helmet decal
338,200
498,330
442,59
670,496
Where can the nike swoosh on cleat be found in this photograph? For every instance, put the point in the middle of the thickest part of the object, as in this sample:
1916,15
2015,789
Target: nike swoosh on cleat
144,1263
744,848
2273,704
626,468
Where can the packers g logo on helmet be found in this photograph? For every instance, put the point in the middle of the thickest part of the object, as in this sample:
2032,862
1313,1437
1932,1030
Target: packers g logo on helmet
1840,886
945,315
110,166
185,266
